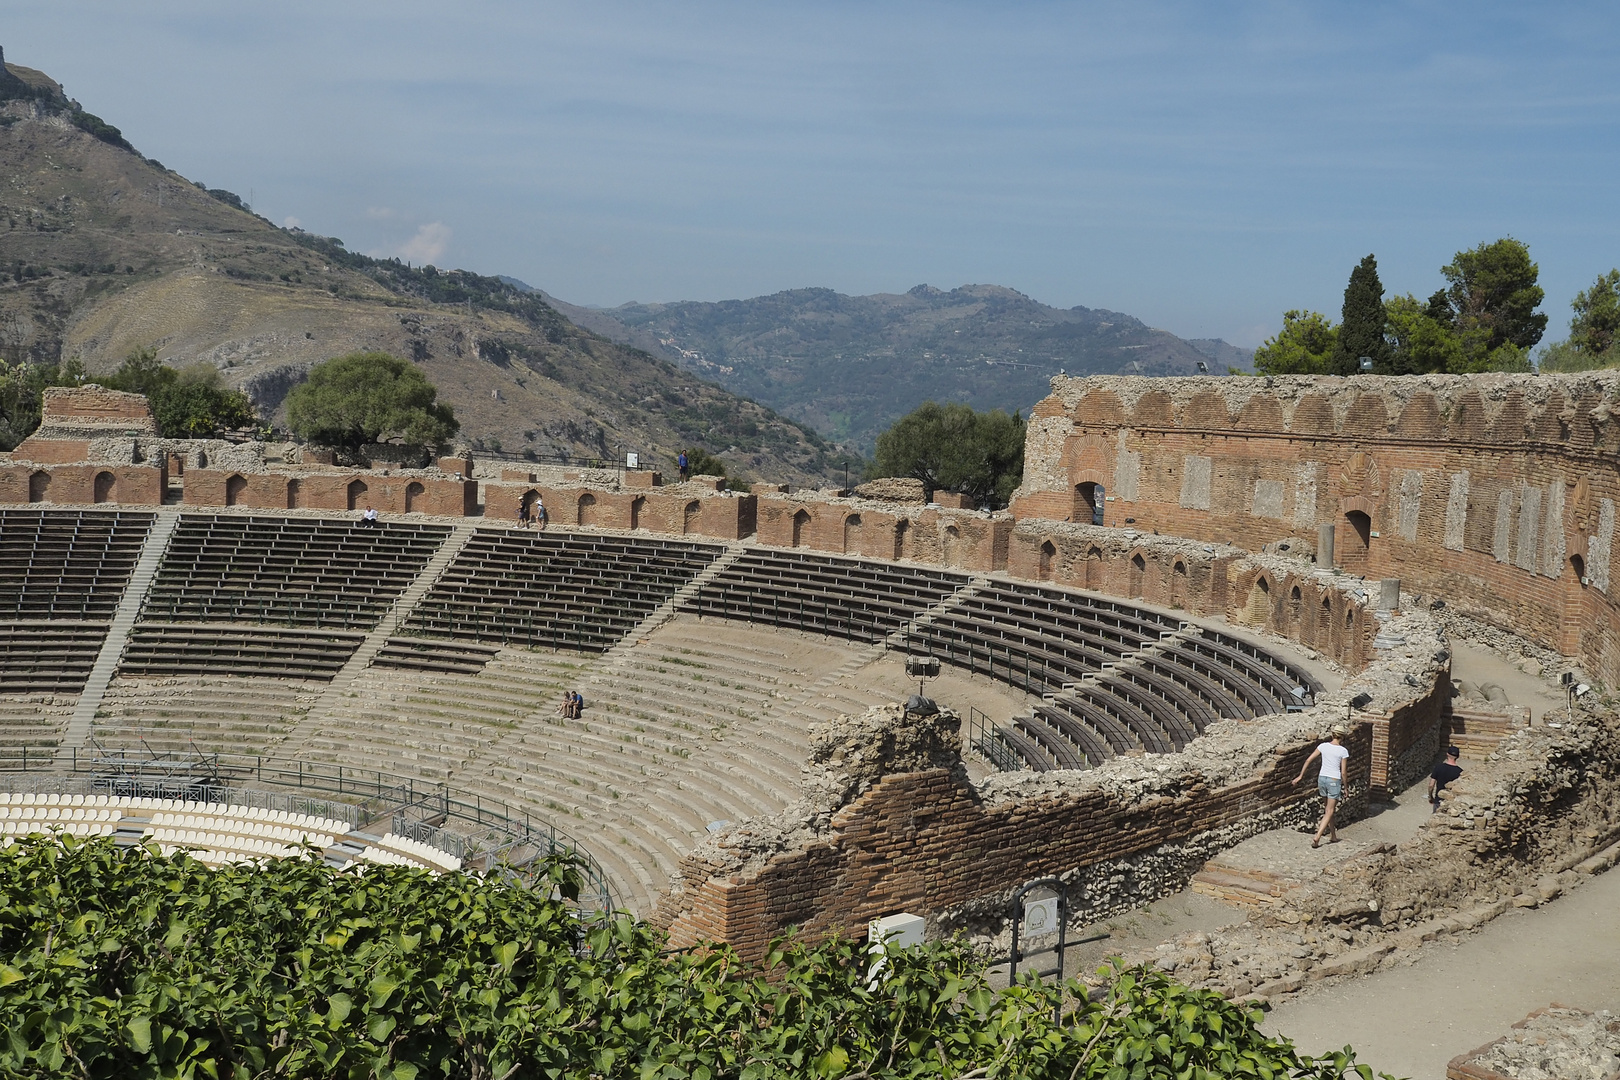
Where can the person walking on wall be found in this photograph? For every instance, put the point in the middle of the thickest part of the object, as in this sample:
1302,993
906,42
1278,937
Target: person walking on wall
683,463
539,513
1444,773
523,513
1330,780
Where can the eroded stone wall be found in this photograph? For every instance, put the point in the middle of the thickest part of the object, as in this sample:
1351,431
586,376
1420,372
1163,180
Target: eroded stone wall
1496,492
872,528
916,835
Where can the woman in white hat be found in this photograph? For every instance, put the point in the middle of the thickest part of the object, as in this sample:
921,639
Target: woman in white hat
1330,781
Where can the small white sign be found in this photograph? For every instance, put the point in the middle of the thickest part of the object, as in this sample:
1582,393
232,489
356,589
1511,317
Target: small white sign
632,461
1040,918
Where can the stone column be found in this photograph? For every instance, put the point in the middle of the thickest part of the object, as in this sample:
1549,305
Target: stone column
1324,544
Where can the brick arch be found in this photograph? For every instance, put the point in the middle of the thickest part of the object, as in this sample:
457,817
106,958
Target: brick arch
1048,560
587,510
801,527
39,486
413,496
235,485
106,488
1136,564
692,517
357,493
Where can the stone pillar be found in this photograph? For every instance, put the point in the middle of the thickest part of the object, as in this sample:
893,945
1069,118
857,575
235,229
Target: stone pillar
1389,594
1324,544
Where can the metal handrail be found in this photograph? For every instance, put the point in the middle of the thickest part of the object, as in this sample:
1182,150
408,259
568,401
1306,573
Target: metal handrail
373,795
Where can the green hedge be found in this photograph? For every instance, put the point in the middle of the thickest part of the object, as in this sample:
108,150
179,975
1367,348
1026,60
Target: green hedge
121,963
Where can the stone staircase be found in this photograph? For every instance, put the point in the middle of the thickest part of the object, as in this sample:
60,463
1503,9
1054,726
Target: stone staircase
79,724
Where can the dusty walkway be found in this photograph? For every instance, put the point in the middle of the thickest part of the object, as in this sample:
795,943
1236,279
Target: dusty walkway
1463,991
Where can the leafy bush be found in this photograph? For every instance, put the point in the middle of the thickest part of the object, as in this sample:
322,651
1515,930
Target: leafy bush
953,448
187,403
369,397
22,395
120,963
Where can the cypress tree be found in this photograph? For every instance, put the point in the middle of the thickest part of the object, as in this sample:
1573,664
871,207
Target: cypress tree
1361,333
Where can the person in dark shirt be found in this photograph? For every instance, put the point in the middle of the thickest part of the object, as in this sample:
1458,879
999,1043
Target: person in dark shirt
1444,773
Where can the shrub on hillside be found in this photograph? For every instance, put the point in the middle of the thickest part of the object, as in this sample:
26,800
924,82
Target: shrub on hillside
366,398
121,963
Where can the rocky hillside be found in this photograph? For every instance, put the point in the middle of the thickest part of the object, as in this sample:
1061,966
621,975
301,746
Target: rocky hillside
850,365
103,251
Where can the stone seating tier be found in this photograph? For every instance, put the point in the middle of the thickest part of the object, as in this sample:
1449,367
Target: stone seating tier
565,590
823,594
67,564
294,571
53,657
228,649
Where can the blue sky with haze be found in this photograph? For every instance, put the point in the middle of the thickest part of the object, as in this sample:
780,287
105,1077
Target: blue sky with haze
1201,166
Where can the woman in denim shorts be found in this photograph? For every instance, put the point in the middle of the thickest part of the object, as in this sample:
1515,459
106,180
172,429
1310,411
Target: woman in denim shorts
1330,780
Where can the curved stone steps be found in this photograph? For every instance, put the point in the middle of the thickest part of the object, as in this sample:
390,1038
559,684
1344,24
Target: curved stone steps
236,714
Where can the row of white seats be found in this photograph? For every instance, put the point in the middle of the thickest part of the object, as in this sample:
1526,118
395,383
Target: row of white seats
222,856
195,838
72,828
384,857
51,798
421,852
252,813
246,829
250,826
60,813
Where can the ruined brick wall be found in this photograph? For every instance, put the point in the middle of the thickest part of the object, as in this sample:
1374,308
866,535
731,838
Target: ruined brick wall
882,529
1273,593
1496,492
340,489
82,484
95,406
692,509
922,838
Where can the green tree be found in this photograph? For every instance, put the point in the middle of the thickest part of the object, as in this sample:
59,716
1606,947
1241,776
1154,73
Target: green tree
1419,341
1304,346
699,462
1592,341
369,397
22,395
188,403
1361,333
1492,296
954,448
1596,324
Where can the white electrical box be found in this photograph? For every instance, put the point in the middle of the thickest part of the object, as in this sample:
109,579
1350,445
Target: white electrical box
900,931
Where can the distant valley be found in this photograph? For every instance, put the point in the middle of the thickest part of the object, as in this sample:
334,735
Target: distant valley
848,366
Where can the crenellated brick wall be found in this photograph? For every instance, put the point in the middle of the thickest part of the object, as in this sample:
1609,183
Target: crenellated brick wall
690,509
1496,492
344,489
957,538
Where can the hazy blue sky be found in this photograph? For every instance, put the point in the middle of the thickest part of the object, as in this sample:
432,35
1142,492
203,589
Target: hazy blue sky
1203,166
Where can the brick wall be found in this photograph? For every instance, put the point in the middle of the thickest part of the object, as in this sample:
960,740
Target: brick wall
689,510
396,493
96,406
930,843
1496,492
960,539
83,484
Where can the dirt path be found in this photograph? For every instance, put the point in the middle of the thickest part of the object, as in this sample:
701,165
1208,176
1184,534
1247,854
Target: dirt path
1465,991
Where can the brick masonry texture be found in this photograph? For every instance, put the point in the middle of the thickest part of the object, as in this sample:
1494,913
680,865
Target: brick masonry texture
919,837
1496,492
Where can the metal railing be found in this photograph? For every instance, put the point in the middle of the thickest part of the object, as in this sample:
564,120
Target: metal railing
487,835
984,739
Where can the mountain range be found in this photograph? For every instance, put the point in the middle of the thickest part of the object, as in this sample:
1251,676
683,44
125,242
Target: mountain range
849,366
104,251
